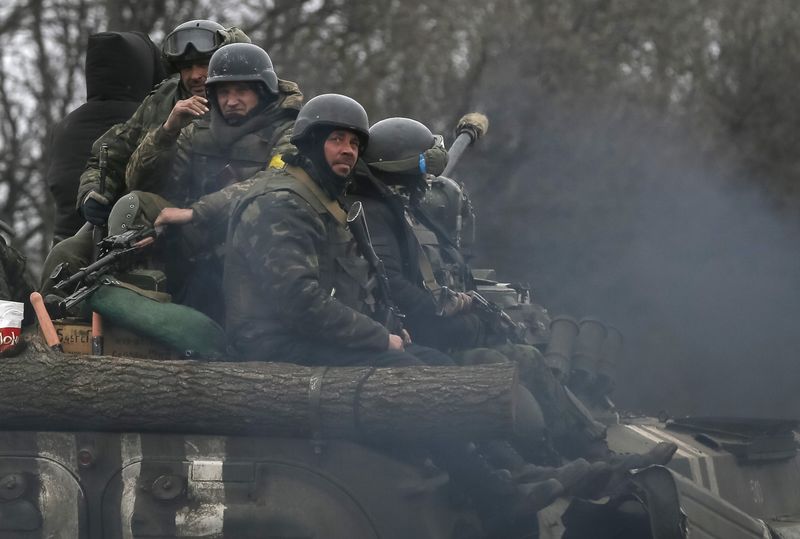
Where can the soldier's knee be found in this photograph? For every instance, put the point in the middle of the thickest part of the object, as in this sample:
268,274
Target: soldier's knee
135,209
481,356
530,421
124,214
71,254
522,351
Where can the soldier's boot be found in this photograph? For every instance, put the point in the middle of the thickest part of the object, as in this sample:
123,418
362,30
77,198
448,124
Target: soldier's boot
503,455
660,455
611,469
506,509
569,475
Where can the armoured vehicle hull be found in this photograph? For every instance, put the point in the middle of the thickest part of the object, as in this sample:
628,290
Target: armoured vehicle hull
124,485
730,478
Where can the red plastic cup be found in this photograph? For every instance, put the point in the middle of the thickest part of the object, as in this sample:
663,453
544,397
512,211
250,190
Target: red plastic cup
11,313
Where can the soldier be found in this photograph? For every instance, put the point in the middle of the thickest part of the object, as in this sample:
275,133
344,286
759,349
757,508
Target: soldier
186,51
313,289
297,289
121,69
193,169
400,154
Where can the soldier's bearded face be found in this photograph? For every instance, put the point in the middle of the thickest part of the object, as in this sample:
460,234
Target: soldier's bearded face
193,78
236,100
341,151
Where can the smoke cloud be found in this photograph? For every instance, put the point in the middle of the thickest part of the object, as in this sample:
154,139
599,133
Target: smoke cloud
619,216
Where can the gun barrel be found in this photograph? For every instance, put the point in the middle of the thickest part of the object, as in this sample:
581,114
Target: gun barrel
456,150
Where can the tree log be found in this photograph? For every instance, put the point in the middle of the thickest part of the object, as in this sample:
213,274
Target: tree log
45,390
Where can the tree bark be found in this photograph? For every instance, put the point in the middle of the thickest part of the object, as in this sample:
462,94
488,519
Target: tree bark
45,390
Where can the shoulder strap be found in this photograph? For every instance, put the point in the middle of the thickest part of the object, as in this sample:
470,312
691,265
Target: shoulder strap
425,268
331,205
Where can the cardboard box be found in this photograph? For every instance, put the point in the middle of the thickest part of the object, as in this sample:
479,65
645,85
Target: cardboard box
76,338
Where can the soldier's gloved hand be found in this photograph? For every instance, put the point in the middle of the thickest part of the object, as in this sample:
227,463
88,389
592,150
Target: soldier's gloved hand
95,212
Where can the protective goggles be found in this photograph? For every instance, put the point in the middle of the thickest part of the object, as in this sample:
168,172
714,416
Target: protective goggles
203,40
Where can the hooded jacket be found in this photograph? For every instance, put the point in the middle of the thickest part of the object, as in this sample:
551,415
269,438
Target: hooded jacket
121,69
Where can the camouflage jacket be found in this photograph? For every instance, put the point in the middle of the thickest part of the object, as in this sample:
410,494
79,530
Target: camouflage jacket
122,139
293,272
198,170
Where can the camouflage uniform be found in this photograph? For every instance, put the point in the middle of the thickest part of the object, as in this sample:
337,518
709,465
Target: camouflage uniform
294,280
122,140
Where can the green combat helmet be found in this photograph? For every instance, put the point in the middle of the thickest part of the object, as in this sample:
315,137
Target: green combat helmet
193,41
404,152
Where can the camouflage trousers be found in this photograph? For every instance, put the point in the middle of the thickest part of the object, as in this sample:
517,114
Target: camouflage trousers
568,423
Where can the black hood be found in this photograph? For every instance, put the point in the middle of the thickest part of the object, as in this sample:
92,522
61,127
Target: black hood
121,66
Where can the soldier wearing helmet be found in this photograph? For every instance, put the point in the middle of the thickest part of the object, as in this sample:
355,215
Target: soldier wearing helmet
186,51
252,112
295,286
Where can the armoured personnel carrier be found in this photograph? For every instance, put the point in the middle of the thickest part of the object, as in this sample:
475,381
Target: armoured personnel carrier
108,447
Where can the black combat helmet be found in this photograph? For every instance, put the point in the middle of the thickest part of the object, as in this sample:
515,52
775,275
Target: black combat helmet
331,111
241,62
405,146
192,41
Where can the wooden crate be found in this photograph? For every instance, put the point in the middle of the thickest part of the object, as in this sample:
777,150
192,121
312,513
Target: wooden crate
76,338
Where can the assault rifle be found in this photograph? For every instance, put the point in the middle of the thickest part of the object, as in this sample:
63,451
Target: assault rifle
114,255
494,315
389,315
